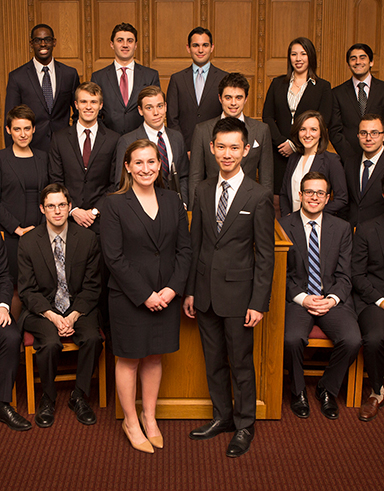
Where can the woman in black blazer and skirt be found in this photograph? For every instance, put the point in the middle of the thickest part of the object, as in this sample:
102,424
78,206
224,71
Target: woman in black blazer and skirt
146,246
290,95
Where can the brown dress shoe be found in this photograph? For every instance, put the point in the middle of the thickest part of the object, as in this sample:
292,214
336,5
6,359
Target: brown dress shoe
369,409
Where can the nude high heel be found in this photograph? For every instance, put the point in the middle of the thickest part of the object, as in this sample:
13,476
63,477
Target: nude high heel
143,447
157,441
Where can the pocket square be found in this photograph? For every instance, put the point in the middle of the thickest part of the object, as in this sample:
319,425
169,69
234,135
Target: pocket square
255,144
243,212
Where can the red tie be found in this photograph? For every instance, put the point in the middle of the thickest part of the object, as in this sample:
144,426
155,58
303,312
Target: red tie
124,85
87,148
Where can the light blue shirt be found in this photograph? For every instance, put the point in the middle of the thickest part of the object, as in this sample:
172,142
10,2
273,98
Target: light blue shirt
205,71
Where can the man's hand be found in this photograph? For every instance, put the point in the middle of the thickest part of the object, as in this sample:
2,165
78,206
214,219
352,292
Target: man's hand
317,304
62,324
21,231
72,318
167,294
5,318
85,218
188,306
285,149
252,318
155,302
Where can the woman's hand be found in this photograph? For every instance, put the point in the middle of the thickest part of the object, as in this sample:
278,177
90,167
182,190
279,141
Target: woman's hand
155,302
21,231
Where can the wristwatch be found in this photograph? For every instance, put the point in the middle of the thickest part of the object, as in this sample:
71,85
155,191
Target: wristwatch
95,212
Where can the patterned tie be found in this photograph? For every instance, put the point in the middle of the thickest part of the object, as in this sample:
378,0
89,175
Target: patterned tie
314,278
47,89
87,148
62,302
364,180
124,85
163,155
363,99
222,206
199,85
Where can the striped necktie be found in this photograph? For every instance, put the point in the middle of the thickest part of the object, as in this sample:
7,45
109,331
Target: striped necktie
163,155
363,99
222,206
314,278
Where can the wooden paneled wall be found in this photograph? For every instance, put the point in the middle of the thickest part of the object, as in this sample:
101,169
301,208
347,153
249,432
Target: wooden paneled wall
250,36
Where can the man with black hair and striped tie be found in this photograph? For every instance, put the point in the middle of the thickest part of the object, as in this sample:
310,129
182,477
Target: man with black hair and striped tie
318,292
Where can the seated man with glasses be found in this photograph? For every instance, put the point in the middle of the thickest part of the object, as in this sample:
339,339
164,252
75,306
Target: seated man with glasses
59,285
364,173
318,292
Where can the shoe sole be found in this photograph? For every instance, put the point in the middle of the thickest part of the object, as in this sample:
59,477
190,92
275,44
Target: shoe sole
15,429
366,420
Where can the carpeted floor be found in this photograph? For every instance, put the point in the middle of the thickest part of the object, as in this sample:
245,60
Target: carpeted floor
290,454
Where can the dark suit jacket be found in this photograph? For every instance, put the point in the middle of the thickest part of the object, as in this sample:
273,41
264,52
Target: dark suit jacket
87,189
232,271
371,203
368,263
346,116
328,164
335,256
24,88
259,160
179,152
6,285
37,271
277,115
183,113
114,113
13,201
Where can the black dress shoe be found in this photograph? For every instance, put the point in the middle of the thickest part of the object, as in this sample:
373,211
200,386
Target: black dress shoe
44,416
241,441
299,404
212,429
329,405
83,412
12,419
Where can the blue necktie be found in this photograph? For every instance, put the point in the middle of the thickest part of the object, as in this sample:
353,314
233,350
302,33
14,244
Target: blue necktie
47,89
222,206
364,181
314,278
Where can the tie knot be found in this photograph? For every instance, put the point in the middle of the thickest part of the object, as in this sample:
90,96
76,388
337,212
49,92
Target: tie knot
58,239
225,185
367,163
124,69
45,69
159,134
87,132
312,223
361,85
200,71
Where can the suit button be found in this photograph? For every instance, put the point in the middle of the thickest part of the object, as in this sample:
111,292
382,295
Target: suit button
157,253
198,115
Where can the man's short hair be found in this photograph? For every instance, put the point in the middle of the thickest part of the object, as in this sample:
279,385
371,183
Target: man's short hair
315,175
234,80
124,26
21,112
149,91
54,188
42,26
372,117
230,125
364,47
91,88
200,31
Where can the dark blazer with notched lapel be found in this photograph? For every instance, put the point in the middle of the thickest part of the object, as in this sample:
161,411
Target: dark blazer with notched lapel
335,256
115,115
179,152
37,271
346,116
259,160
87,188
328,164
24,88
183,112
232,270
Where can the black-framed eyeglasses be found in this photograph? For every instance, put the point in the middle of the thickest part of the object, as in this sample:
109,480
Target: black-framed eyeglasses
310,192
60,206
47,40
373,134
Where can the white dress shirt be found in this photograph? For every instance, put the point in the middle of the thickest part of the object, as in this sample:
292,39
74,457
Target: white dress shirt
130,73
234,183
152,136
370,169
40,74
81,135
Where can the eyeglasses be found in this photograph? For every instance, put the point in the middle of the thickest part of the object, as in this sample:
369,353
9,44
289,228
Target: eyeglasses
373,134
310,192
60,206
47,40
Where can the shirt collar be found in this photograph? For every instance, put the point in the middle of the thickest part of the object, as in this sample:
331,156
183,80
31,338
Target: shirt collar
131,66
367,81
151,132
234,181
63,234
309,79
39,67
375,158
80,128
205,68
305,219
241,117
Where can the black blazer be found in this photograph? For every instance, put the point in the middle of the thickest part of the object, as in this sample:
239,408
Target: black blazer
87,189
24,88
328,164
183,113
371,203
180,157
346,116
368,263
232,271
335,256
115,115
6,285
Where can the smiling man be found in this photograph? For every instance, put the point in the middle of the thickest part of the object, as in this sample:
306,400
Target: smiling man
45,85
318,292
122,81
360,95
233,94
230,282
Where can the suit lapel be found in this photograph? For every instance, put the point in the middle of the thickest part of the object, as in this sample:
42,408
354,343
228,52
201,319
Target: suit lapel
376,174
379,227
58,81
188,80
99,142
134,203
208,83
46,252
12,164
351,93
137,85
299,238
173,145
372,95
209,208
70,251
74,141
33,78
327,233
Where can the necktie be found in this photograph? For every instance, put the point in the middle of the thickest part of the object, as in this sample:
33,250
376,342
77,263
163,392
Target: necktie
47,89
62,293
124,85
314,278
364,180
87,148
199,85
163,155
363,99
222,206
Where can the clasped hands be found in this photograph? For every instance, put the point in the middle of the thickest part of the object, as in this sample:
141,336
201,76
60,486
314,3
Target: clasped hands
318,305
160,300
84,218
64,325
